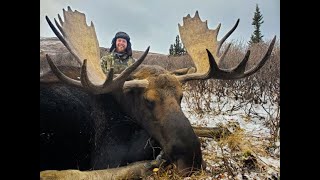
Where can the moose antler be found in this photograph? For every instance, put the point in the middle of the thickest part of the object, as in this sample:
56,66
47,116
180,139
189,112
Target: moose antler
203,47
81,40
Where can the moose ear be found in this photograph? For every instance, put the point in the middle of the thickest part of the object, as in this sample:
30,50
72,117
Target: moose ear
133,91
183,71
191,70
135,85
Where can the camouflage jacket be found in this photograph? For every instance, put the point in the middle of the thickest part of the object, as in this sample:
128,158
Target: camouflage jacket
111,60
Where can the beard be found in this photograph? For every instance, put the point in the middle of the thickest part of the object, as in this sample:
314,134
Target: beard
121,49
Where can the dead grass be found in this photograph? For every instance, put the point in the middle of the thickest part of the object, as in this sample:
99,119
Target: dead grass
170,173
230,157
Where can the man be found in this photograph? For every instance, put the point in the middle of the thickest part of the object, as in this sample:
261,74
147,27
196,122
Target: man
120,54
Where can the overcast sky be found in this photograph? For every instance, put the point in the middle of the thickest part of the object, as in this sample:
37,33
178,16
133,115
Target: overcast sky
154,23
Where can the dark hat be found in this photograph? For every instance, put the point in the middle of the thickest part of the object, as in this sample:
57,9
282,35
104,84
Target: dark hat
125,36
122,35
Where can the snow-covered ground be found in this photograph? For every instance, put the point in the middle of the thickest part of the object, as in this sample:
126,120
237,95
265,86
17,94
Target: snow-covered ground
255,136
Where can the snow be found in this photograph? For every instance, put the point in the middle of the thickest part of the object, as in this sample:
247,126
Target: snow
224,113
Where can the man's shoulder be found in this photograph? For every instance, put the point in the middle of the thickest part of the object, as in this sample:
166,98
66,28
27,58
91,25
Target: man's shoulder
104,52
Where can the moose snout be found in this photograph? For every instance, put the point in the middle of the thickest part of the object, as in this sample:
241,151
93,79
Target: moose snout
183,146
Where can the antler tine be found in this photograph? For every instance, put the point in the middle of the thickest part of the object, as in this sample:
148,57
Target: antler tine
131,68
60,19
241,67
61,38
60,75
226,37
228,74
58,25
109,77
264,59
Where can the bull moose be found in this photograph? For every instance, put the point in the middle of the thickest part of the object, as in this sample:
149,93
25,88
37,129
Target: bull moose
101,121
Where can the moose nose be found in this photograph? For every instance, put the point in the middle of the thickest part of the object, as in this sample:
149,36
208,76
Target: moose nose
183,146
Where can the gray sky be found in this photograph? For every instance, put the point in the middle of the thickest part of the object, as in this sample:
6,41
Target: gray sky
154,23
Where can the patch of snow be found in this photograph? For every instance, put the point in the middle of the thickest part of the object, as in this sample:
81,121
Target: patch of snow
225,112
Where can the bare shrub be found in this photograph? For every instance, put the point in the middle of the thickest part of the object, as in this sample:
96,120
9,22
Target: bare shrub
260,89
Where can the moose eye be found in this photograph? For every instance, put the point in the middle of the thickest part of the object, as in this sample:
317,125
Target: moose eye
150,104
180,99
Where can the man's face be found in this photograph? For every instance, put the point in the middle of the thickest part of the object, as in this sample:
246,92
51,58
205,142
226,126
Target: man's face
121,45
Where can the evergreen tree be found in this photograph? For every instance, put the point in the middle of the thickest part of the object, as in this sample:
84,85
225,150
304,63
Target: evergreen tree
256,37
171,51
177,49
